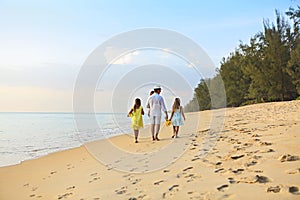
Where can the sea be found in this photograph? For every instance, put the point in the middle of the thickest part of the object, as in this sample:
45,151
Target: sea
25,136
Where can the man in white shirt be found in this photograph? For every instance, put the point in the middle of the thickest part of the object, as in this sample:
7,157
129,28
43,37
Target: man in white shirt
156,104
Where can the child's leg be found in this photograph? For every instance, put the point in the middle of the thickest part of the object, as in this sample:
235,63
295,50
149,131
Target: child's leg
136,134
174,131
177,130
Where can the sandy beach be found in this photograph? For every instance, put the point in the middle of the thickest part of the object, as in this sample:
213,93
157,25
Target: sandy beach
254,156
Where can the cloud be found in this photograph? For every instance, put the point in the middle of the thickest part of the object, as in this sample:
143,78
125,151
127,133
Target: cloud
119,56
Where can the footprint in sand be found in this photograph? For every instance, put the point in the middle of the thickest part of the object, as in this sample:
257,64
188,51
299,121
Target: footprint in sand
253,162
293,171
255,179
191,177
134,181
158,182
65,195
265,143
258,171
294,190
70,188
218,163
275,189
268,151
222,187
235,157
196,158
188,168
238,171
122,190
219,170
231,180
173,187
288,157
256,135
262,179
94,179
69,166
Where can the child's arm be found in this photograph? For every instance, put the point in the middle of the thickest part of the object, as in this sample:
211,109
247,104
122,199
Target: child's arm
130,112
171,115
143,111
181,110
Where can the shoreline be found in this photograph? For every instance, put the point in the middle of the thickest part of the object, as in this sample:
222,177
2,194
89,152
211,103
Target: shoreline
114,135
256,155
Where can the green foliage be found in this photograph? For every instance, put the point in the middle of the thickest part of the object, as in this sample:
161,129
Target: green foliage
293,68
202,95
236,81
266,69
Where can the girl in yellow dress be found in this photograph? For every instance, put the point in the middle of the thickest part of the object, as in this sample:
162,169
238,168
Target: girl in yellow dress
136,113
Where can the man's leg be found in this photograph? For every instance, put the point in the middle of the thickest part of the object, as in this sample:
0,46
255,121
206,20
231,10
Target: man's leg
152,124
157,126
152,130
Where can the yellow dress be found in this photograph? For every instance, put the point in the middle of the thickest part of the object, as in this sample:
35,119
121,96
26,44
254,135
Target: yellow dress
137,119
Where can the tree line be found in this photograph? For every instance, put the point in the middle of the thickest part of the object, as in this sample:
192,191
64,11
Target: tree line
267,69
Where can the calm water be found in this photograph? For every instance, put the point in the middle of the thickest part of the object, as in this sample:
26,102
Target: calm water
26,136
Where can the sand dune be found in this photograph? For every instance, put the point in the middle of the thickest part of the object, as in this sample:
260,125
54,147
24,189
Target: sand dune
254,154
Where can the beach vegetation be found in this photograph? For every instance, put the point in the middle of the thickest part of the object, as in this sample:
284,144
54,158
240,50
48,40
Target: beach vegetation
265,69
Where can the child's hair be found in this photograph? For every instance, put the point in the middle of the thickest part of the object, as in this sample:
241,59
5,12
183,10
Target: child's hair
152,92
176,104
137,104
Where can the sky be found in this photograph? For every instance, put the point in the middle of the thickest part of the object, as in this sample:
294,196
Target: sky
43,44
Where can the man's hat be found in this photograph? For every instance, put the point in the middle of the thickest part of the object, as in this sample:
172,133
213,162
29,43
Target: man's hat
157,87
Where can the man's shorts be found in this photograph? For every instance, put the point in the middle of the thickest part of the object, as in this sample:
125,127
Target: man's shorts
155,119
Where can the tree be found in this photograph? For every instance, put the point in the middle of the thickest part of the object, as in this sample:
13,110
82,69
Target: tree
276,56
293,68
266,69
235,80
202,95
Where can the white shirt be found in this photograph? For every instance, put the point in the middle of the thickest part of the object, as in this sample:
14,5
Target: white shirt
156,103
